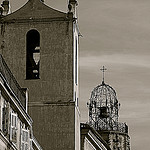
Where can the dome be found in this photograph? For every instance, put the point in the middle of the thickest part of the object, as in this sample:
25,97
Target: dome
104,95
103,107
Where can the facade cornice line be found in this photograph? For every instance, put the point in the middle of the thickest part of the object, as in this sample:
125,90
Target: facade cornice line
30,20
49,103
16,104
7,141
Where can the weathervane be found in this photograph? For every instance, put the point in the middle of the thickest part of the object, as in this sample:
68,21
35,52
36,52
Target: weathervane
103,70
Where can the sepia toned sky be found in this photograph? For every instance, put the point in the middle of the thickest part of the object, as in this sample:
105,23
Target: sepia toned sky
116,34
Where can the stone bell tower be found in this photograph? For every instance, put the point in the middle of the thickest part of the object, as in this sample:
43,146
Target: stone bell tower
40,46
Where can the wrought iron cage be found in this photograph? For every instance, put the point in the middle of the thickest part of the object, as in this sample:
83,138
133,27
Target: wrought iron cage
103,108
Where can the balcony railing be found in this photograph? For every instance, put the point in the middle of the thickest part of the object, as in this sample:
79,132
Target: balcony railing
116,126
11,82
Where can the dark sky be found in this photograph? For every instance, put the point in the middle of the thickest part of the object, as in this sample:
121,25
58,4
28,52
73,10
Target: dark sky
116,34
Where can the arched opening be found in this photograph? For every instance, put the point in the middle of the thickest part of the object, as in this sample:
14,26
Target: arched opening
33,54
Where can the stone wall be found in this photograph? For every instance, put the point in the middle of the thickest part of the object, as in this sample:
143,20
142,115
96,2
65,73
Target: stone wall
55,125
56,62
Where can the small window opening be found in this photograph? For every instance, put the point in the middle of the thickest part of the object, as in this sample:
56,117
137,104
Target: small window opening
5,118
25,139
13,127
33,55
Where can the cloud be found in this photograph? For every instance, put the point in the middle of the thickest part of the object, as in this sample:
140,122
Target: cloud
121,59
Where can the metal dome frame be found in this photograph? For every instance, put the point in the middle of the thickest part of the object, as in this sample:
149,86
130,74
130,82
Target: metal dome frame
103,108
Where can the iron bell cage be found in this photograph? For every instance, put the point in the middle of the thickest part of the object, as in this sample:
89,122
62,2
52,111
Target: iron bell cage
103,108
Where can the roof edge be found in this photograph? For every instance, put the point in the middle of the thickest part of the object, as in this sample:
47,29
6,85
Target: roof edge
32,6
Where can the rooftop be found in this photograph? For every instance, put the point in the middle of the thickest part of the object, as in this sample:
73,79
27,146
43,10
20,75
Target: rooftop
11,83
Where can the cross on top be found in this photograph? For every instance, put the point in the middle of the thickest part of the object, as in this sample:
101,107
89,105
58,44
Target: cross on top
103,70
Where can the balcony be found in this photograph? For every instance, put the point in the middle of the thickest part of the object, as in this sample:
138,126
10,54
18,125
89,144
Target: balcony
103,126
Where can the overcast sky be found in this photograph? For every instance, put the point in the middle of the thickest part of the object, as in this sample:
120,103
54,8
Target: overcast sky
116,34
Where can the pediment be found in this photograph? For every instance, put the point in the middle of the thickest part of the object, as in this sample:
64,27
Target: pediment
35,9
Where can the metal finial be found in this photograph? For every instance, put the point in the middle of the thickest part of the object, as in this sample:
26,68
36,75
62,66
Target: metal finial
103,70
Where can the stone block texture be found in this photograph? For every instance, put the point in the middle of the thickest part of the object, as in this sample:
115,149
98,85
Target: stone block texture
51,104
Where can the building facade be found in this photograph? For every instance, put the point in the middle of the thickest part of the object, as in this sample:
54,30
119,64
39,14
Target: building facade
40,45
15,123
91,139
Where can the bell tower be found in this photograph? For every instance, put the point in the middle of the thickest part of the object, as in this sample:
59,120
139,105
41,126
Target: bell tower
40,46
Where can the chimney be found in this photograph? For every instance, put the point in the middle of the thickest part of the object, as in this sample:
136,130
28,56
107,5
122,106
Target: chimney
5,5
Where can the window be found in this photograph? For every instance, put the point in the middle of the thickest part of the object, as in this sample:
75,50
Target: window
13,127
25,139
31,148
33,54
5,119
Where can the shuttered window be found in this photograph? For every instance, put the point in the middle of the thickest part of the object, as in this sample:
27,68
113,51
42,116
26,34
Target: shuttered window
25,139
13,128
31,148
5,120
